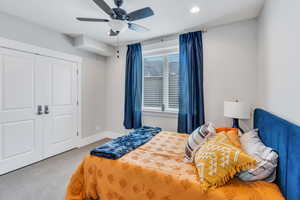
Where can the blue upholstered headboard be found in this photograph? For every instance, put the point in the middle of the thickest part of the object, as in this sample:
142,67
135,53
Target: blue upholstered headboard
284,137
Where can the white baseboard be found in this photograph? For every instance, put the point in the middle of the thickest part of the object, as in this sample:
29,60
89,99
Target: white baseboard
112,134
96,137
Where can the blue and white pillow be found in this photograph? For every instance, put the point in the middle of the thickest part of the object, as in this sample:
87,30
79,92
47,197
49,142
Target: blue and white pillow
197,138
266,158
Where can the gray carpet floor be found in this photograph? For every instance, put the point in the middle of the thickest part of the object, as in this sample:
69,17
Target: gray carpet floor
45,180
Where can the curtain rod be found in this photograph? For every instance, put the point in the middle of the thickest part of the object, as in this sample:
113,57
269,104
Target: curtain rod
165,37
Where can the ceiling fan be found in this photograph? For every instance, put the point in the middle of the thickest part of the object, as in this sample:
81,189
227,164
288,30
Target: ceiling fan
119,17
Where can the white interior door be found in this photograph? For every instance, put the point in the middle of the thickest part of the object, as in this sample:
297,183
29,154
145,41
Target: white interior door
20,126
58,81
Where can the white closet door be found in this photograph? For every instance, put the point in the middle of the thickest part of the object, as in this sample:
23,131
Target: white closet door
20,126
58,81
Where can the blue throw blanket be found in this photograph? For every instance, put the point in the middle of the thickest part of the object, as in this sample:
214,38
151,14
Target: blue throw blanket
118,147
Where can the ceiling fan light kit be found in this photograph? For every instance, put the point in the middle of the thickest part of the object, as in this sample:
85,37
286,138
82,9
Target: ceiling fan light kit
117,25
119,17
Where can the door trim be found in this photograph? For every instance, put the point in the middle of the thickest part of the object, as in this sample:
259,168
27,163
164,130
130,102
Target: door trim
79,105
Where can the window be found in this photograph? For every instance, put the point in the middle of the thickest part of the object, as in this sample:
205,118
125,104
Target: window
161,83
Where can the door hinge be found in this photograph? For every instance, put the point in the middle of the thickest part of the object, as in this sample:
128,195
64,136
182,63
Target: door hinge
77,71
77,133
77,103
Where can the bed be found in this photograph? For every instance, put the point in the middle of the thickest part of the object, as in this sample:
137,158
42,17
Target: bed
284,137
156,171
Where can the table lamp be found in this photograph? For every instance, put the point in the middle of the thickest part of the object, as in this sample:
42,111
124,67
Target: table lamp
236,110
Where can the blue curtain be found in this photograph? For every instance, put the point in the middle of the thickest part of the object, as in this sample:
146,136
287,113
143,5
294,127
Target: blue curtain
191,101
133,87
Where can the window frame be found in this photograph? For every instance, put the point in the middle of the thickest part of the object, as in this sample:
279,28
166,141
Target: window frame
165,76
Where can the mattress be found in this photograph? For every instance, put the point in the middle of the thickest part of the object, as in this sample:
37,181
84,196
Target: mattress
156,171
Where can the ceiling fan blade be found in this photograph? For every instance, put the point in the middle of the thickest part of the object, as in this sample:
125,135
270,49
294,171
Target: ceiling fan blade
105,7
140,14
113,33
91,19
138,28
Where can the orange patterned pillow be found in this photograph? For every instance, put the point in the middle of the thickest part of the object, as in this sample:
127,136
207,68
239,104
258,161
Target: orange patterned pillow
218,160
232,134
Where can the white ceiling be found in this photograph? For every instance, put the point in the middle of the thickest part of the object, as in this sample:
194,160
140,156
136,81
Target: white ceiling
171,16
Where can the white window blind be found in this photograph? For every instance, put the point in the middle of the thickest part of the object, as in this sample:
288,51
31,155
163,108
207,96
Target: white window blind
161,82
173,79
153,82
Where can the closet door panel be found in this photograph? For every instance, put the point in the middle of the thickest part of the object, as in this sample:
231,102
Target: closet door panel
18,81
15,142
20,126
62,78
43,84
60,127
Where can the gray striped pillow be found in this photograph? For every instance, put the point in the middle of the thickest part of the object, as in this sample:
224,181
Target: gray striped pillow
197,138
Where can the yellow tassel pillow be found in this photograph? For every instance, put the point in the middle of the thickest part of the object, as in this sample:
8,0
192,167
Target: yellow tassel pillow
218,160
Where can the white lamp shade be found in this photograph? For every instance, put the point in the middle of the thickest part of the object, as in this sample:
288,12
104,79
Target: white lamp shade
236,109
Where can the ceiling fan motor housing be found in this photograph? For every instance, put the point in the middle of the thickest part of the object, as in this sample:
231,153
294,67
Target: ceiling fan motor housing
120,14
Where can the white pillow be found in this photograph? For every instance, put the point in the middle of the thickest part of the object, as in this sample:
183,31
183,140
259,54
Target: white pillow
266,158
197,138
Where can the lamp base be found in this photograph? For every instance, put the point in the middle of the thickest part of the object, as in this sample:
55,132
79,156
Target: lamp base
235,124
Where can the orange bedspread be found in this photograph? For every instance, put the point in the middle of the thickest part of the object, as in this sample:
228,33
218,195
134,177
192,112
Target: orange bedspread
156,171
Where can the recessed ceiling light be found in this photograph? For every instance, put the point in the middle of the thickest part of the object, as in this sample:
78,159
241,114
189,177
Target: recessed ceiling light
195,9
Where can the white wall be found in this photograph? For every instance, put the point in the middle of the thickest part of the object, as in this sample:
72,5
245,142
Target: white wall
15,28
115,81
93,97
166,122
93,72
279,63
230,69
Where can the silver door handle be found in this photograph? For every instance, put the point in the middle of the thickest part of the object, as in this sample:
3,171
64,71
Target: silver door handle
46,108
39,110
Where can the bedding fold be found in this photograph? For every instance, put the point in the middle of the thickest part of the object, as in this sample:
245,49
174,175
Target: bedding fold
120,146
